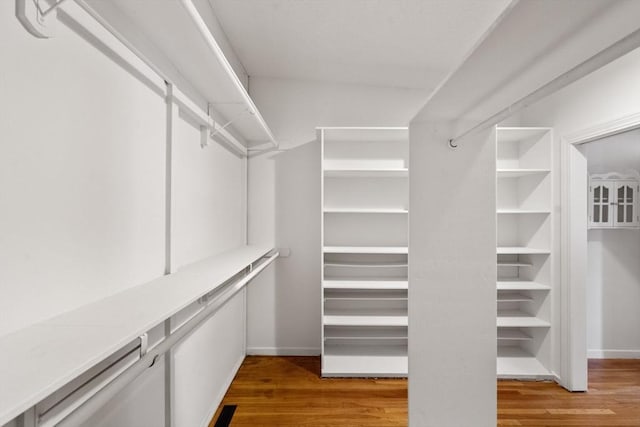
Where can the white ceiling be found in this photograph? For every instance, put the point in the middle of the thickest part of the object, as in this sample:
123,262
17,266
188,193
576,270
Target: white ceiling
392,43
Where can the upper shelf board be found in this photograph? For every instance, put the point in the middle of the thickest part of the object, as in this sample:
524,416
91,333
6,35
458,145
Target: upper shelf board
518,173
366,210
518,250
367,173
516,134
523,212
152,25
366,249
399,134
354,283
520,285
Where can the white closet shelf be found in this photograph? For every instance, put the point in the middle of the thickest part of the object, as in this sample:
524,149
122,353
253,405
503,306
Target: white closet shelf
520,250
365,284
367,264
513,297
517,211
366,350
514,362
213,76
514,264
521,285
366,334
518,173
390,250
519,319
512,334
367,173
365,211
365,296
364,317
518,134
365,361
46,356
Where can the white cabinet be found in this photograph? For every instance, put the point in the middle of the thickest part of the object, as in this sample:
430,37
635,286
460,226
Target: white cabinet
364,251
524,253
613,201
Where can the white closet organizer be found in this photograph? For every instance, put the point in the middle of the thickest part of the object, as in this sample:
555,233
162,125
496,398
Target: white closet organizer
364,251
524,252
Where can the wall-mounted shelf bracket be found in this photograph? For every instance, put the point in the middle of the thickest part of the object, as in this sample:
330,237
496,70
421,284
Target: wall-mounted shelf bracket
144,344
36,16
219,128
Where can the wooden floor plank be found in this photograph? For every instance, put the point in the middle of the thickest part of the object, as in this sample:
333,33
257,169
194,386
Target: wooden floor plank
288,392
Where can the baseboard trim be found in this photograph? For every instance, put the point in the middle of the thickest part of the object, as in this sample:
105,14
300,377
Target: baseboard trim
613,354
283,351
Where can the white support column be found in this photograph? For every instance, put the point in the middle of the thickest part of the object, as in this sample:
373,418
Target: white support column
169,368
452,280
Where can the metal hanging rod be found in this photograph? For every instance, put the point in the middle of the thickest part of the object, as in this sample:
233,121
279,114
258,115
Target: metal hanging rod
51,8
597,61
100,397
184,101
217,51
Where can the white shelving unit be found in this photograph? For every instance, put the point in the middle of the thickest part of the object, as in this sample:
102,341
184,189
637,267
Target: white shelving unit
524,253
364,251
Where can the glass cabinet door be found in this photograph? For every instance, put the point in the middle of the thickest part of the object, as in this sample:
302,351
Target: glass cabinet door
626,201
601,205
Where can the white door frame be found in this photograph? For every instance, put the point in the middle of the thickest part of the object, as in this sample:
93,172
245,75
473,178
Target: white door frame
573,240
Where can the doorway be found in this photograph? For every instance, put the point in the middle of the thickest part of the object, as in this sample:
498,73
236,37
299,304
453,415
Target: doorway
574,247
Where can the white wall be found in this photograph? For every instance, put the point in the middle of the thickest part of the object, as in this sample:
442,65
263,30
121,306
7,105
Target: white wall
284,199
613,280
82,203
601,97
294,108
209,218
81,176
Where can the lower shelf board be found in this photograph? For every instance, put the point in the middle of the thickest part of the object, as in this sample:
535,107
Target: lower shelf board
365,361
515,363
521,285
519,319
365,320
511,334
363,283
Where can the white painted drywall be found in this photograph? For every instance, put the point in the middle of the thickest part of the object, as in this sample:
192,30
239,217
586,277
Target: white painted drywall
602,97
82,188
294,108
452,277
82,205
208,197
284,199
284,315
208,200
613,280
81,176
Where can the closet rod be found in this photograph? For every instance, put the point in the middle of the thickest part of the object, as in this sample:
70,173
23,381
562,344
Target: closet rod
98,399
185,102
217,51
597,61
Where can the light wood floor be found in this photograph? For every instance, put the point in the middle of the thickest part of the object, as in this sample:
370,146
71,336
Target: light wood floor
287,391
